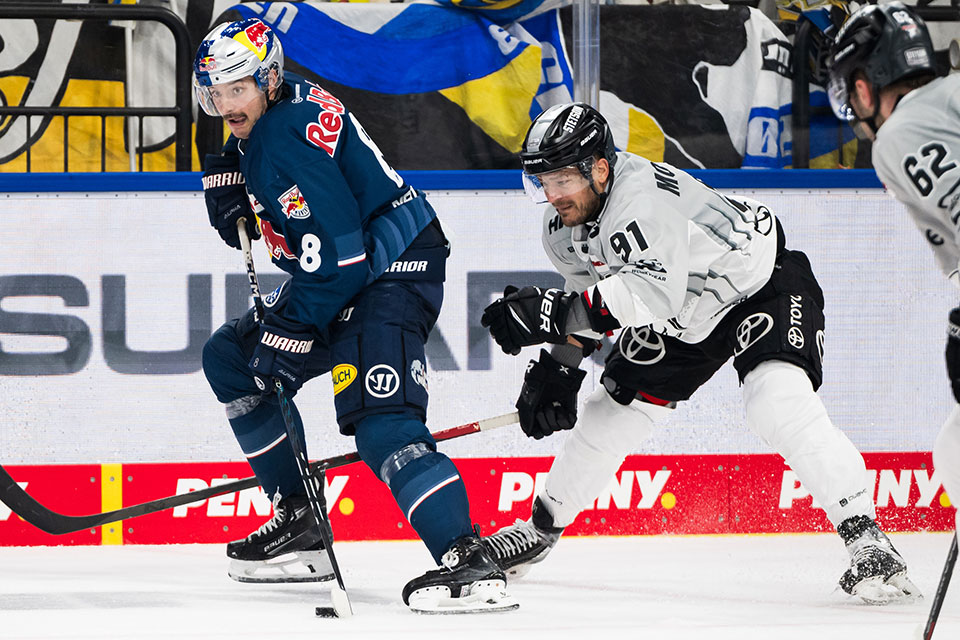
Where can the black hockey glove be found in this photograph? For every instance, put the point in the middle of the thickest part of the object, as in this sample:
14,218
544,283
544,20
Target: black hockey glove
528,316
953,351
548,399
282,353
225,191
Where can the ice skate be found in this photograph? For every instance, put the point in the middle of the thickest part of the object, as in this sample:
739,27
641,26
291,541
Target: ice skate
287,548
469,582
524,543
878,573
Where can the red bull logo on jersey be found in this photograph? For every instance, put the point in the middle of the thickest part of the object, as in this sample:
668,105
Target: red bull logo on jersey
276,243
294,204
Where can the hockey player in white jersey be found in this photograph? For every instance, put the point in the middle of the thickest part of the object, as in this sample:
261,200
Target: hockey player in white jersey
690,278
883,80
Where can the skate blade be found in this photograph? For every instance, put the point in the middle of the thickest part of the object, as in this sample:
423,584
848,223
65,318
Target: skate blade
486,596
299,566
898,588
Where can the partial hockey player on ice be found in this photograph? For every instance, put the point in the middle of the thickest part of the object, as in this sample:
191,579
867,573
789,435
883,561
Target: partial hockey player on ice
335,216
883,80
690,278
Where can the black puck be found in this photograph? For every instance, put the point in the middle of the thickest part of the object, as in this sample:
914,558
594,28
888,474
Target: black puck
327,612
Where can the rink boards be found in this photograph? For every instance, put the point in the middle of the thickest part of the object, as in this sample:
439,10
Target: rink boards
110,285
650,495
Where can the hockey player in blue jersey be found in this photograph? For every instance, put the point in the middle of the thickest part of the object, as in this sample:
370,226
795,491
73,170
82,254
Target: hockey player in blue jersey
346,227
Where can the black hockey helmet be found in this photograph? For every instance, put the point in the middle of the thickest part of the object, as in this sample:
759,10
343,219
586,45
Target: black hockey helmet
563,136
889,42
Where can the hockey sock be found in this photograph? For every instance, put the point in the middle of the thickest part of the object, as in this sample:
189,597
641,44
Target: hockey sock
432,495
426,485
263,439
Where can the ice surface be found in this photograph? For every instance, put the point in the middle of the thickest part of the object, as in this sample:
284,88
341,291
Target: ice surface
774,587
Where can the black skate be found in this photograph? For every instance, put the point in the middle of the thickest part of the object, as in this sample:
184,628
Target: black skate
524,543
287,548
878,573
468,582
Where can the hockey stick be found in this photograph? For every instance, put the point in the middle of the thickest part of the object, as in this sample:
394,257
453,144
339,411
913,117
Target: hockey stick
28,508
941,590
338,593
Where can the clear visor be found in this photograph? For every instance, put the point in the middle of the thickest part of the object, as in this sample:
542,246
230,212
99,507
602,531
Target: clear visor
545,187
839,96
230,97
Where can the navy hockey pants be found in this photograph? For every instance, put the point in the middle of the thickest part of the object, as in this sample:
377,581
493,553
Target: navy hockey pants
374,351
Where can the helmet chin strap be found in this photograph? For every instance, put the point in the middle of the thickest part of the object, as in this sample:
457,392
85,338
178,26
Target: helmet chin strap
279,94
871,120
601,195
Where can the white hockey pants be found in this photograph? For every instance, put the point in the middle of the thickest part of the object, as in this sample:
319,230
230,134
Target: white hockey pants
783,409
605,433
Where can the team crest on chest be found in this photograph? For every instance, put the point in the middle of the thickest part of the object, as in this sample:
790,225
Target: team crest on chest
293,203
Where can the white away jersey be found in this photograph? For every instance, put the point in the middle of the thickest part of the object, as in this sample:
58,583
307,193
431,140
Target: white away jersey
917,157
667,250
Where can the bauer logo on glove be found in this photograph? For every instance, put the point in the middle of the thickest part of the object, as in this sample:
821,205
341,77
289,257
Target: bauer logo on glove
528,316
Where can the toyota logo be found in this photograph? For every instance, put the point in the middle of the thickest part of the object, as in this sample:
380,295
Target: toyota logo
763,221
752,329
642,345
795,338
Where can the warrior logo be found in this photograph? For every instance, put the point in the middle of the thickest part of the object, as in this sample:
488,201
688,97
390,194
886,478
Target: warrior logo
419,374
641,345
751,330
820,345
382,381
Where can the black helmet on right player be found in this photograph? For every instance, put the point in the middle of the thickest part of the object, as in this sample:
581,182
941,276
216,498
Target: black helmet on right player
888,42
562,137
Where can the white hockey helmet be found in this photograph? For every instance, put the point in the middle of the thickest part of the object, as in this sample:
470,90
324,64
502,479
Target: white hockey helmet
232,51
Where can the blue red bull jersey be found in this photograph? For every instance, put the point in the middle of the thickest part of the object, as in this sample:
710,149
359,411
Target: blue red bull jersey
333,213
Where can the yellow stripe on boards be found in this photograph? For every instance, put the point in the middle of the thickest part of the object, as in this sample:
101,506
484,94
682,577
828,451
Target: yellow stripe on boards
111,498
